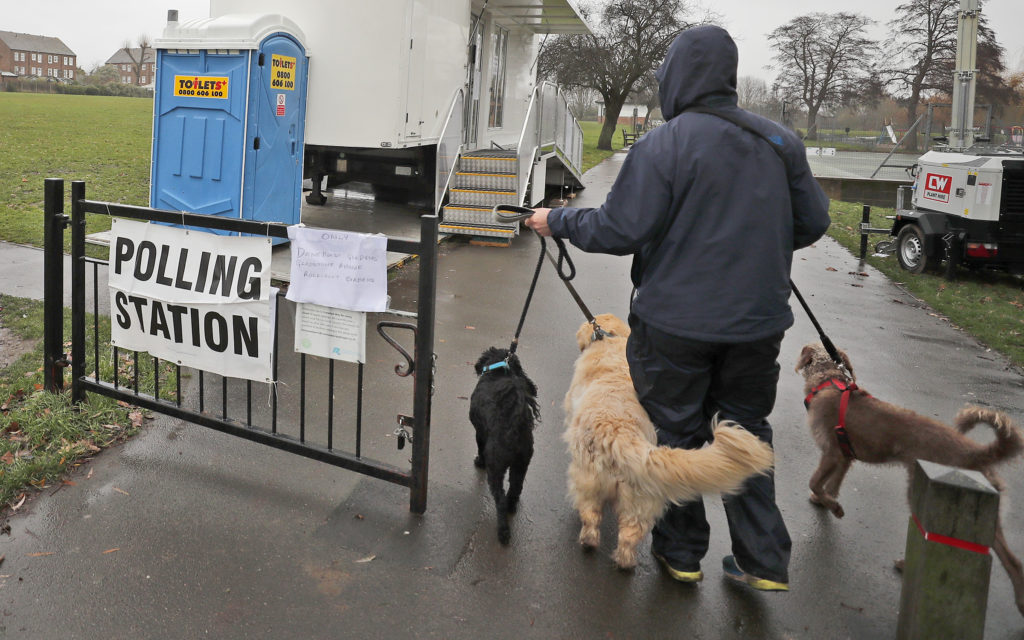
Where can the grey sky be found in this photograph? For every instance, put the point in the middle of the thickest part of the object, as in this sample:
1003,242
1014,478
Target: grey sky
95,29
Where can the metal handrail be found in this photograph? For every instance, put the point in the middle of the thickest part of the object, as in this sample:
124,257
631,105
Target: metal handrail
446,162
525,157
541,128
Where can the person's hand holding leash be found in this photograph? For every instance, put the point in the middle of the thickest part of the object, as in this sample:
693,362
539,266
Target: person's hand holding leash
539,222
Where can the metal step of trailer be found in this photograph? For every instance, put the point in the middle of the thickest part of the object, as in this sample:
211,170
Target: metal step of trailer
472,229
482,180
489,161
482,197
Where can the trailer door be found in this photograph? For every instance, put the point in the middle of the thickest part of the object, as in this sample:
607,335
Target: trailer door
418,23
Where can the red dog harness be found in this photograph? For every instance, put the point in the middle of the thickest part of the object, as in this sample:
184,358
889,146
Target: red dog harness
844,401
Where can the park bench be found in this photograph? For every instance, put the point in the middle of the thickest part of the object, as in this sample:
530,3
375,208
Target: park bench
629,138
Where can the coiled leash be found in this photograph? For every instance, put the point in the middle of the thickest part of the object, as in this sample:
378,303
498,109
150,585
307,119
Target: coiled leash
513,213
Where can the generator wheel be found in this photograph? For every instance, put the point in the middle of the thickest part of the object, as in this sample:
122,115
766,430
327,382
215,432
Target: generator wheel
910,250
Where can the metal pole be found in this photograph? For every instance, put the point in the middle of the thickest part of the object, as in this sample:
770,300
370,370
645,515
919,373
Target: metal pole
423,387
53,284
909,132
865,220
78,292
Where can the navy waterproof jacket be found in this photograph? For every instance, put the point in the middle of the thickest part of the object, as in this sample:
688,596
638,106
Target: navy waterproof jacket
706,207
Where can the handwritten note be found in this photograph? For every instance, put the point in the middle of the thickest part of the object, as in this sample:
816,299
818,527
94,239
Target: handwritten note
338,269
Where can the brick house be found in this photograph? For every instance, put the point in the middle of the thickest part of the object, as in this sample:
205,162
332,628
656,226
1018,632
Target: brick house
26,55
124,61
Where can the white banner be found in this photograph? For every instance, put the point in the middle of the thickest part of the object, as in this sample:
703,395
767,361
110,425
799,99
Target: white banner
338,269
193,298
330,333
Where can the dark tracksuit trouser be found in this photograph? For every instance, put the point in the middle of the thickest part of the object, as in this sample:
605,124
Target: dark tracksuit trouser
682,383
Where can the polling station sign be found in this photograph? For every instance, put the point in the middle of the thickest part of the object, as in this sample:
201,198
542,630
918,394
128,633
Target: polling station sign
193,298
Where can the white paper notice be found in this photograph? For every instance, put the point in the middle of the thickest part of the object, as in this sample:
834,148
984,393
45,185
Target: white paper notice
984,193
338,269
330,333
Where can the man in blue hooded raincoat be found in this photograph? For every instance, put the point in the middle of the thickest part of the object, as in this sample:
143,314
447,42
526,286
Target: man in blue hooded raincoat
711,213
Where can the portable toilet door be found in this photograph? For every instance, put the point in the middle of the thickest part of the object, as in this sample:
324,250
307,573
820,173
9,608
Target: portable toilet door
277,116
199,132
228,124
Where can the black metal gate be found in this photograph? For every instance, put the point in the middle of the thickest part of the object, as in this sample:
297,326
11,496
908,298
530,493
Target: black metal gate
276,426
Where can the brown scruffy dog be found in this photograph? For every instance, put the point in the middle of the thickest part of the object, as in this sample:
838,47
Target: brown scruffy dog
883,433
614,453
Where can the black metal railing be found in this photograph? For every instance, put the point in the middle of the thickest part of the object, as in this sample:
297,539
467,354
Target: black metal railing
285,422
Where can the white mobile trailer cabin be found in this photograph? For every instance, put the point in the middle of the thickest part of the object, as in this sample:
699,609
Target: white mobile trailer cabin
396,85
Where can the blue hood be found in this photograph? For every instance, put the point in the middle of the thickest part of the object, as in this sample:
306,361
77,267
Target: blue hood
700,67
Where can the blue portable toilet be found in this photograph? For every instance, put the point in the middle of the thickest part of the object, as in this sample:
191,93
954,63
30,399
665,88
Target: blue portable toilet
229,117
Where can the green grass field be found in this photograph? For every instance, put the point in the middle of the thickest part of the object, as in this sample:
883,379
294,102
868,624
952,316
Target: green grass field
102,140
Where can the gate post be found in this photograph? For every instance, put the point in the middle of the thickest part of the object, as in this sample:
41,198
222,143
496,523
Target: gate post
53,285
78,291
424,380
865,222
954,514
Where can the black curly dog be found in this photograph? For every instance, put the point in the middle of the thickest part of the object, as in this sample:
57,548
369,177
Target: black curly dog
503,410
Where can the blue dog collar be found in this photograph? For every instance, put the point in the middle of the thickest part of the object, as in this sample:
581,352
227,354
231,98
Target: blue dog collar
497,365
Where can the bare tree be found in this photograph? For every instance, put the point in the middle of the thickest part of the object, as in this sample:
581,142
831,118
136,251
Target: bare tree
820,58
922,55
752,92
138,55
631,41
922,47
581,100
646,93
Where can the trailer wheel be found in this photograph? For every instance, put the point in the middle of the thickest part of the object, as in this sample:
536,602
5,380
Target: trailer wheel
910,250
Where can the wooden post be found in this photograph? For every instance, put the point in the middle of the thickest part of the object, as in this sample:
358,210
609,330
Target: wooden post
946,578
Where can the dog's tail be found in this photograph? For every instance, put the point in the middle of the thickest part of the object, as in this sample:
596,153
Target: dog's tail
680,475
1009,440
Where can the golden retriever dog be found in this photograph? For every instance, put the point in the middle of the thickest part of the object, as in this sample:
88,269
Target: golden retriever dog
615,457
883,433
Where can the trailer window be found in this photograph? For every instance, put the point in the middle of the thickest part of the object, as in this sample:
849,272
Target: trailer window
500,40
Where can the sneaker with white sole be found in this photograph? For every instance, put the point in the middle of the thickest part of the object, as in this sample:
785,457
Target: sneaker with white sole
733,572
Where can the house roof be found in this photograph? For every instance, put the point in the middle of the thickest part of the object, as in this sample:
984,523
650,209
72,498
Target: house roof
122,57
38,44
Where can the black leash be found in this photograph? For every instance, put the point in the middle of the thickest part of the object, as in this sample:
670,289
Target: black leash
829,347
513,213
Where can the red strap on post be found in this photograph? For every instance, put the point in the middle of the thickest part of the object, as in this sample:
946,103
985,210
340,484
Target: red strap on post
948,541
